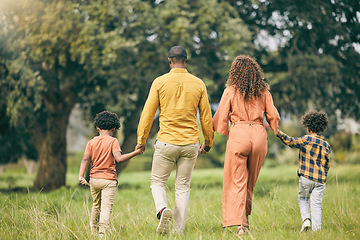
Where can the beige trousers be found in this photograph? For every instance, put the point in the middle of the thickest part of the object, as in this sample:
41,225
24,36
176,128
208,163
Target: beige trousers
103,194
166,156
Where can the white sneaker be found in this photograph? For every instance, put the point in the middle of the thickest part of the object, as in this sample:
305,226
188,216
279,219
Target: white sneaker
164,223
306,225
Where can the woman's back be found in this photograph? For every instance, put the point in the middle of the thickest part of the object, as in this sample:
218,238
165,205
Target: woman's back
234,108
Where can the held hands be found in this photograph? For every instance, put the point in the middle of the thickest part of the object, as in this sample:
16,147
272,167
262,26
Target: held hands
276,131
83,181
140,148
204,149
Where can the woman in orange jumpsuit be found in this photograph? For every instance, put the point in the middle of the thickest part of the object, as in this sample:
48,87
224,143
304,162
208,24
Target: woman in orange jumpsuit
245,102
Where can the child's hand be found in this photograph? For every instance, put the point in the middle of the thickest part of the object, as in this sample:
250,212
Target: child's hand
140,147
139,151
83,181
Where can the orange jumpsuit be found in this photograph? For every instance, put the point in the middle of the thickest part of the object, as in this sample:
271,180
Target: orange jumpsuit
246,149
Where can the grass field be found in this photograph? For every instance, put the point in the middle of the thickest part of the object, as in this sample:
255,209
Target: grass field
65,213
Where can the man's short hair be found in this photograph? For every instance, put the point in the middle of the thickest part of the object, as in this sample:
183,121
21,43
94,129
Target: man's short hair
178,53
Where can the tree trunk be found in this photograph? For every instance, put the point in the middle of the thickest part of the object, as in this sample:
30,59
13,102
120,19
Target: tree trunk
51,148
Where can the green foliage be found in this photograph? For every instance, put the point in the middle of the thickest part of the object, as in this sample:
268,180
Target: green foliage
345,148
14,141
105,54
311,81
316,64
341,141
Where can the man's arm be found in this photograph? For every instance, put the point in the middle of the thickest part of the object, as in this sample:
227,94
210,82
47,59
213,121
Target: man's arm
147,116
206,122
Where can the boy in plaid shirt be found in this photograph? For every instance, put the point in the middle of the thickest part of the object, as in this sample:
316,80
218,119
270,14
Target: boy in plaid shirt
314,164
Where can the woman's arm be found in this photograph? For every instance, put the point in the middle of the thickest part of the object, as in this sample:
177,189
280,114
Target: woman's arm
271,113
221,117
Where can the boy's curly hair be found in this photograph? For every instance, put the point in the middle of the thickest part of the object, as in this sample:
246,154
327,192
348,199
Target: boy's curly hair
106,121
315,121
247,77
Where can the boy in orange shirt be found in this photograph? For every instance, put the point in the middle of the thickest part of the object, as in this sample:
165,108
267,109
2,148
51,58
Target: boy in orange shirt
103,150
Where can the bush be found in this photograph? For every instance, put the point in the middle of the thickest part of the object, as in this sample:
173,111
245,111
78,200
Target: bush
345,147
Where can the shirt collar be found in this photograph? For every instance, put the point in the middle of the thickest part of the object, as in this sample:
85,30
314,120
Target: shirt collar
178,70
319,136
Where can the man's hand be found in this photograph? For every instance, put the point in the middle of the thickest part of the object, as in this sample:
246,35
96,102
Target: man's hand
140,146
139,151
204,149
83,181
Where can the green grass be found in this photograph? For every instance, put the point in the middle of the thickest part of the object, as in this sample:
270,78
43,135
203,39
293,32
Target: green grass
65,213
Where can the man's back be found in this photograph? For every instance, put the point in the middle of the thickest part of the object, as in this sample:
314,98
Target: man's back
180,94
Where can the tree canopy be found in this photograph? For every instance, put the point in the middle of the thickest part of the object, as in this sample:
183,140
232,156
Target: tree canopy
104,55
317,63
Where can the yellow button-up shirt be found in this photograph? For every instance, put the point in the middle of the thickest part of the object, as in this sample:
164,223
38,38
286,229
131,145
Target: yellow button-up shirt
178,94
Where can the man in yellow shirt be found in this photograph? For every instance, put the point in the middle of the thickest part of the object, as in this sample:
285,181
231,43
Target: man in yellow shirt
179,95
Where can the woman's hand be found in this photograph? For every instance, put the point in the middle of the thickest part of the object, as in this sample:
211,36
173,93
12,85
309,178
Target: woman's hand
204,149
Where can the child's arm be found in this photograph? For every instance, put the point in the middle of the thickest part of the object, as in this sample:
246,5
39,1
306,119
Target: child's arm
83,165
124,157
290,141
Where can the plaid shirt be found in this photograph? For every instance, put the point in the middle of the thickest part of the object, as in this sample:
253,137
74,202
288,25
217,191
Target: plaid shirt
314,155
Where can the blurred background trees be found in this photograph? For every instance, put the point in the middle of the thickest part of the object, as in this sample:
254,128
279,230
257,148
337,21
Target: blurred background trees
317,61
105,54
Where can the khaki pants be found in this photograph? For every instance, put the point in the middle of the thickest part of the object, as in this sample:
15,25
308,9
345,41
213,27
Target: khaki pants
165,157
103,194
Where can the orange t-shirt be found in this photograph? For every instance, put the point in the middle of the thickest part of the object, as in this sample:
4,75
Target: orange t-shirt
101,149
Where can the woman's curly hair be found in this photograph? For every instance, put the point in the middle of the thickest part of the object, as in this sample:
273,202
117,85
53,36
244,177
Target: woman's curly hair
247,77
106,121
315,121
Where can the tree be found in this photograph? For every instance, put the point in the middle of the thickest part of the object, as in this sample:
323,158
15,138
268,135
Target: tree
104,55
316,62
211,32
14,142
57,56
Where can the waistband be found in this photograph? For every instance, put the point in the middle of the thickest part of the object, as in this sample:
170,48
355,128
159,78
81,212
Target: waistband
165,143
247,122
